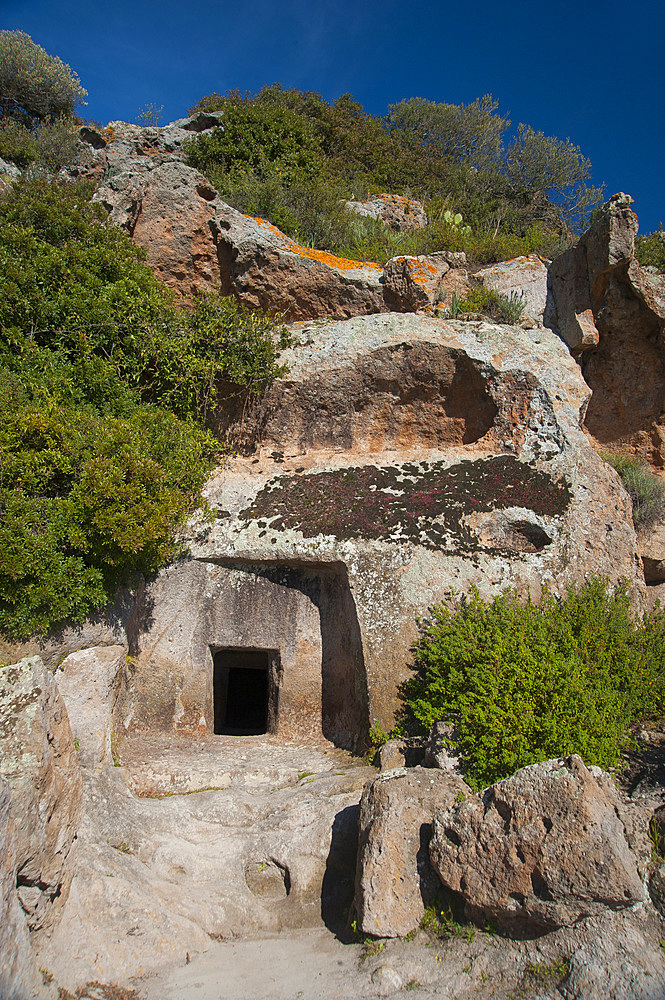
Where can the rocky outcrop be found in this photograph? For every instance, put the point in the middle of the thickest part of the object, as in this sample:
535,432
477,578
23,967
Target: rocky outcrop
652,552
415,283
38,760
265,268
523,277
401,458
195,242
399,213
539,850
611,313
394,878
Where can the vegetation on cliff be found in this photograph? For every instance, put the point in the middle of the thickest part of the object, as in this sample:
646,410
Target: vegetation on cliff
294,158
105,387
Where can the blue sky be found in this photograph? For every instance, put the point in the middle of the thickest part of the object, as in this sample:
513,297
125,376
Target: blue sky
586,70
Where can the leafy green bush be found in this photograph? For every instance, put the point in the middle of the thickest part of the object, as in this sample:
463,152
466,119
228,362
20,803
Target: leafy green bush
34,86
525,682
105,388
650,250
645,489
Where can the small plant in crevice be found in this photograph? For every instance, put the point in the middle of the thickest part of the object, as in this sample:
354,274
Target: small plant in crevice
441,921
487,302
644,487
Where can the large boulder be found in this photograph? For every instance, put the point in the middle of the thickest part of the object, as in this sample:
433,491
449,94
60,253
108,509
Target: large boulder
88,681
195,242
394,877
539,850
611,313
38,760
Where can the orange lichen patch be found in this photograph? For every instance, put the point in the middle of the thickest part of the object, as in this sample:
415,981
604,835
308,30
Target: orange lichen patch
421,272
341,263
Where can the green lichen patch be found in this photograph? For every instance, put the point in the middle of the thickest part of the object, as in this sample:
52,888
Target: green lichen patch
421,502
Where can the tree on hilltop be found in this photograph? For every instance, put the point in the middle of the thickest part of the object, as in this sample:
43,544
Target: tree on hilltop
34,86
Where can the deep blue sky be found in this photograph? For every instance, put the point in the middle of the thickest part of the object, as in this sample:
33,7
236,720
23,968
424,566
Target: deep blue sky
586,70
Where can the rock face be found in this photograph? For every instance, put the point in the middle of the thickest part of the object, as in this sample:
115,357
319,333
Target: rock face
88,682
652,551
525,277
611,312
538,851
398,213
19,978
394,877
402,457
38,760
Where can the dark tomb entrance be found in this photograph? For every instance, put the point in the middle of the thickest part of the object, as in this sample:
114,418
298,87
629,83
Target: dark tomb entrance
244,691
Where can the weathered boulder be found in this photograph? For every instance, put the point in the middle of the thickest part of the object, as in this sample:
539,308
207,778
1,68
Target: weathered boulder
38,760
265,268
539,850
196,242
398,213
88,682
9,170
401,457
19,978
525,277
394,879
413,283
611,313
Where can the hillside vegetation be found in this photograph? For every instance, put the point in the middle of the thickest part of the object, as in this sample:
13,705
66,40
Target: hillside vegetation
294,158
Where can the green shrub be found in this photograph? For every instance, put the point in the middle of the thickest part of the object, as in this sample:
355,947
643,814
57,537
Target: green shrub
105,388
645,489
17,143
650,250
525,682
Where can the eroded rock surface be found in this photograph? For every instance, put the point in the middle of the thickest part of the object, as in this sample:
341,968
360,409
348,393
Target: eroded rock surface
611,312
19,978
38,760
539,850
394,878
88,681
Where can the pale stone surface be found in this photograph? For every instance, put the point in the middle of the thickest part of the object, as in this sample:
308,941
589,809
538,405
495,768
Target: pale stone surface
525,277
38,760
399,213
88,682
157,878
394,878
539,850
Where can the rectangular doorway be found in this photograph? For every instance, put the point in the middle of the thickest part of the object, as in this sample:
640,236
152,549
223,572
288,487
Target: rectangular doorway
245,691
